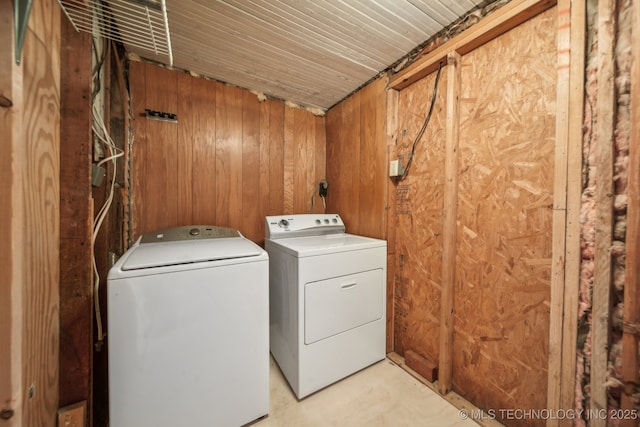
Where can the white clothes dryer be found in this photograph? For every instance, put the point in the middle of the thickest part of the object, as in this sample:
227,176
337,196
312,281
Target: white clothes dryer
188,334
327,292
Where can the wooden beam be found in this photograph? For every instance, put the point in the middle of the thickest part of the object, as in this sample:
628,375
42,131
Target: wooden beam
630,337
11,325
450,215
601,304
392,153
37,178
76,273
567,194
573,206
558,249
494,25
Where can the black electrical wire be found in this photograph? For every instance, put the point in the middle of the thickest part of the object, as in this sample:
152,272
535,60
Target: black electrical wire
424,124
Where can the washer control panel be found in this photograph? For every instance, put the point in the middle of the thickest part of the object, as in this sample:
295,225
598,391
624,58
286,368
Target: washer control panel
283,226
189,232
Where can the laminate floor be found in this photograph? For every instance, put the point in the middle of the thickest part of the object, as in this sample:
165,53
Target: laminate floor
381,395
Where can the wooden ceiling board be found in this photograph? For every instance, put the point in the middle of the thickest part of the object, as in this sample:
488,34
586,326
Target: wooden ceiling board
313,53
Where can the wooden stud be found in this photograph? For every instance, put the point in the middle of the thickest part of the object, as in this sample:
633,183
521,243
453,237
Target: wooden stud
76,273
631,318
573,205
567,192
499,22
554,387
601,304
36,217
390,188
449,223
11,325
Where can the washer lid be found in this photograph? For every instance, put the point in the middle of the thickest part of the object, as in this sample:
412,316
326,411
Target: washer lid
161,254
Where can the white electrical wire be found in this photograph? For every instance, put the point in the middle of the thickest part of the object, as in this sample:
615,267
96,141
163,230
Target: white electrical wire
100,130
313,200
102,134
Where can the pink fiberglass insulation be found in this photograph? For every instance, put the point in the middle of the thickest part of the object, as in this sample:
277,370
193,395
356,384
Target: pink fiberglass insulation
588,209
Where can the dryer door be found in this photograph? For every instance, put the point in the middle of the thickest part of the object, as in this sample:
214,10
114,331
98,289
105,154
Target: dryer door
342,303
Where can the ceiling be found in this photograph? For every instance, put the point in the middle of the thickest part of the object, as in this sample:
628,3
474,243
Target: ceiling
310,52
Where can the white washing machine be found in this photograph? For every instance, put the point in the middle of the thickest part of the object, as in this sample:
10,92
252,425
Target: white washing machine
188,330
327,293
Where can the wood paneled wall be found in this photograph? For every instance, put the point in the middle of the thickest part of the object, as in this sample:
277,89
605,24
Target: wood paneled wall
357,170
29,168
357,160
230,160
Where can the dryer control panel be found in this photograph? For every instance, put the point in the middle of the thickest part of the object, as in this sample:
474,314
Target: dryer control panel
283,226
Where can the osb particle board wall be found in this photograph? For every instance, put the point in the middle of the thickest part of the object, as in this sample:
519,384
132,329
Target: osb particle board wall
30,200
503,250
230,160
507,137
419,221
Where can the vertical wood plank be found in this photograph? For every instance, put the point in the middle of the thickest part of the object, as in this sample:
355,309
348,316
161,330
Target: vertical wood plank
36,164
373,169
630,362
572,217
334,159
303,173
76,274
11,244
604,208
320,156
449,231
252,221
187,130
390,221
161,204
140,166
276,158
289,160
554,387
228,156
202,174
266,190
350,150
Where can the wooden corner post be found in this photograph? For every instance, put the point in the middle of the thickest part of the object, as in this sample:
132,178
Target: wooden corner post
450,213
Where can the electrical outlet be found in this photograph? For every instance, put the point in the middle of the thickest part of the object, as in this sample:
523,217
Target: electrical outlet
73,415
395,168
323,185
